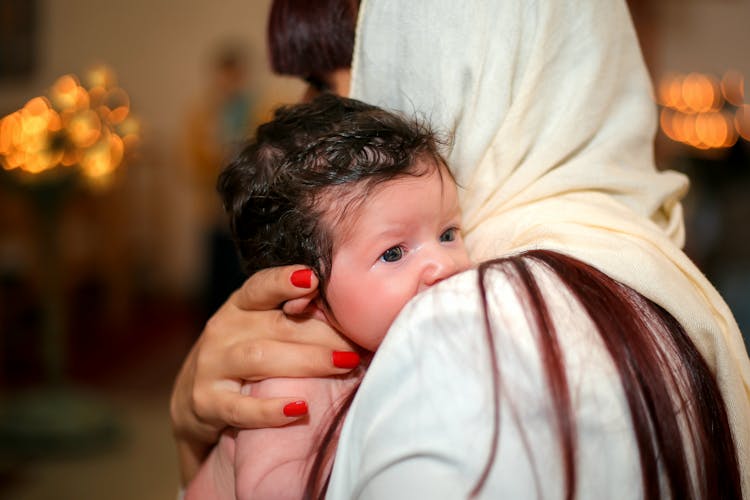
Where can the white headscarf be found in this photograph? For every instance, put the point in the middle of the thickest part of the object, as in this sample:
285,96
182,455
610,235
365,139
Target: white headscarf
551,107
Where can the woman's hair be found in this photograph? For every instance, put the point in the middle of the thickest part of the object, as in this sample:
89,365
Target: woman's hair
678,414
279,190
309,38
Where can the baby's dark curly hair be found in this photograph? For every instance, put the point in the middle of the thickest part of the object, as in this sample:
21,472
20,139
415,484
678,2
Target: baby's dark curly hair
278,189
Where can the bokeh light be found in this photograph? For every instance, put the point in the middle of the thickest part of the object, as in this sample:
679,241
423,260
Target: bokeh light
89,128
742,121
733,87
698,109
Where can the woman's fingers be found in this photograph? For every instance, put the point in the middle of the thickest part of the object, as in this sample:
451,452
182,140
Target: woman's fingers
250,413
253,345
249,339
261,359
269,288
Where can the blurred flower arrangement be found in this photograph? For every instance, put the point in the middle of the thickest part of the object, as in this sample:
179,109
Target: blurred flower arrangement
76,129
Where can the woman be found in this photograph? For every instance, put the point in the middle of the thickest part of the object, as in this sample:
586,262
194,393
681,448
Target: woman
551,109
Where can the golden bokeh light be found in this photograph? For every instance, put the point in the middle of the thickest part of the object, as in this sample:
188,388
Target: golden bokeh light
100,161
733,87
101,75
665,95
10,132
666,122
96,94
742,121
85,128
675,94
64,92
695,110
691,89
732,134
71,157
116,104
89,128
712,129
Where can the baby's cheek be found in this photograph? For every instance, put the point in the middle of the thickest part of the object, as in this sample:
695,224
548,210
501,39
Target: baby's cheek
381,323
369,328
365,314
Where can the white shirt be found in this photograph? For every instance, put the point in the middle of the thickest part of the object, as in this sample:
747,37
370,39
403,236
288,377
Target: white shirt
421,424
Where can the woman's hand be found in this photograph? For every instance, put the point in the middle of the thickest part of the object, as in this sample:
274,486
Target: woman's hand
251,338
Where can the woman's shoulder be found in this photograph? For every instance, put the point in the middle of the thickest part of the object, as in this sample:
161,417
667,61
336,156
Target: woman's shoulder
425,407
424,418
464,312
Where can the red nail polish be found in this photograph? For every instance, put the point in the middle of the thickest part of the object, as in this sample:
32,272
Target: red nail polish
302,278
345,359
295,409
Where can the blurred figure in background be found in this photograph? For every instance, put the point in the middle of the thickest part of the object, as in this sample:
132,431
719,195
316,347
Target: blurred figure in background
222,116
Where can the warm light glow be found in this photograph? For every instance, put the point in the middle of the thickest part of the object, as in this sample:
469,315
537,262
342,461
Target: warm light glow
733,87
83,101
10,131
712,129
693,110
64,92
100,162
116,104
700,93
85,128
718,99
42,160
689,132
71,157
665,97
732,135
101,76
675,94
666,121
96,94
90,128
691,91
25,137
742,121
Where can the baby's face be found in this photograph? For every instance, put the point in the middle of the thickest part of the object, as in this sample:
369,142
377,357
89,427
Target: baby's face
404,238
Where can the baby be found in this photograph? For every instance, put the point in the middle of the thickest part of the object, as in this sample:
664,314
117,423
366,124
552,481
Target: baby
364,199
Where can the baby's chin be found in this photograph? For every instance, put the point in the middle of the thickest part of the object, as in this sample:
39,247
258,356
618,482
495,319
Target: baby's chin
369,342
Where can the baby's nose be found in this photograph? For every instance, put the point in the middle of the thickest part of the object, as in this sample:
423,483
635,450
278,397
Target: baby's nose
439,265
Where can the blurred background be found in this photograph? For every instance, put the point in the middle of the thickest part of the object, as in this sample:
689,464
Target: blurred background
105,261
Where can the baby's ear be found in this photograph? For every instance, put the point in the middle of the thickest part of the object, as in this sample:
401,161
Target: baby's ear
310,305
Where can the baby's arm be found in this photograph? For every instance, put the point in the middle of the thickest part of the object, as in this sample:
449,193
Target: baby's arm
271,463
215,477
274,463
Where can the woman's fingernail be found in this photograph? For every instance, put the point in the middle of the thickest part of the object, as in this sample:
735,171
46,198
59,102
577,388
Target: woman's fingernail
345,359
295,409
302,278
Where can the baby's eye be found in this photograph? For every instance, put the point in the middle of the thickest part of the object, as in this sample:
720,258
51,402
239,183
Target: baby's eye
393,254
449,235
